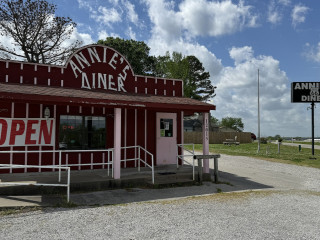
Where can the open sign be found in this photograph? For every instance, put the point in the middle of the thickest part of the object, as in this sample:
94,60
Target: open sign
27,132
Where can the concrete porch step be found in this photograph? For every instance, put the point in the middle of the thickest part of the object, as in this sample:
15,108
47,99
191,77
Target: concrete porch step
167,183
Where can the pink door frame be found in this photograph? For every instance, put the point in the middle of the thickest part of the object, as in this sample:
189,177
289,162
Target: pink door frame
117,144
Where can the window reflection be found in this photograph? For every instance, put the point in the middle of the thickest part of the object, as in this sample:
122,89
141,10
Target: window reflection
82,132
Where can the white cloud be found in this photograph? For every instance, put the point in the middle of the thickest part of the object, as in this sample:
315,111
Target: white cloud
237,93
114,2
106,16
85,4
285,2
298,14
215,18
274,17
199,18
166,23
83,37
274,14
132,15
312,52
131,34
102,35
8,42
241,54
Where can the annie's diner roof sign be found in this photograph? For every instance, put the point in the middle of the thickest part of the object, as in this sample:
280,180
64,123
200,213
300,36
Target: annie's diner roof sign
99,67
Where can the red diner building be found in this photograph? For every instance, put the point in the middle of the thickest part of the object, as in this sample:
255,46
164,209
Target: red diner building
93,103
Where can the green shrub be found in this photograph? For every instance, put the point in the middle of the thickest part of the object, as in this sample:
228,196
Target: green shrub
263,140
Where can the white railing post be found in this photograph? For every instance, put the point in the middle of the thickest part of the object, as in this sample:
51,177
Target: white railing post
112,164
103,160
108,161
152,169
60,166
135,156
68,185
182,153
178,156
139,159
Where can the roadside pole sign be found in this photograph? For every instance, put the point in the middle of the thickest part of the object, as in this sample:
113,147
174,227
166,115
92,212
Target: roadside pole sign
306,92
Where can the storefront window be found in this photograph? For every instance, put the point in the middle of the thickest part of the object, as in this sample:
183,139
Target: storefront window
82,132
166,127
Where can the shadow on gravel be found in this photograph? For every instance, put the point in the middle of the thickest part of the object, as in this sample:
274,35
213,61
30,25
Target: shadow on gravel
227,183
238,183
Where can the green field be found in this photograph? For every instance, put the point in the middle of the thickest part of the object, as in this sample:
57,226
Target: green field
268,152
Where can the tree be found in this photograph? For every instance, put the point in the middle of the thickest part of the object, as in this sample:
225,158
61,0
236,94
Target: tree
197,84
214,121
136,52
233,123
36,31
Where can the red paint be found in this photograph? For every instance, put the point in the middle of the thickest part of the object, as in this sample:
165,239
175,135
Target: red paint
16,130
30,131
45,132
4,130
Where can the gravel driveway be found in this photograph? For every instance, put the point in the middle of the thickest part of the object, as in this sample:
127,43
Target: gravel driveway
285,204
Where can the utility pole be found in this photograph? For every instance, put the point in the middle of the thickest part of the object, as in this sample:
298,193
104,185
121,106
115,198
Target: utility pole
258,110
312,126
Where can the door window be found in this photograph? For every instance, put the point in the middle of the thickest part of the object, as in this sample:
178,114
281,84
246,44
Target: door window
166,127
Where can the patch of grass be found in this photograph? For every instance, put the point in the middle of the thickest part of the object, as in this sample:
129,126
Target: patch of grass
65,204
17,210
288,154
227,183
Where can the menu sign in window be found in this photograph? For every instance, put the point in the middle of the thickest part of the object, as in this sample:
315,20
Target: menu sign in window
166,127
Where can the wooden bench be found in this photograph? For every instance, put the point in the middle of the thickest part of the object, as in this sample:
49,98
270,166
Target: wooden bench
231,142
215,170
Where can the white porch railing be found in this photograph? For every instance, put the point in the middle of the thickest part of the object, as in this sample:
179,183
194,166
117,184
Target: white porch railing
182,156
138,158
60,165
11,166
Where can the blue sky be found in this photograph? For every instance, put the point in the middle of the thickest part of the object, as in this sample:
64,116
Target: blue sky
232,39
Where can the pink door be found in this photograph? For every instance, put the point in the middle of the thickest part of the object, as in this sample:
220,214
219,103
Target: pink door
166,138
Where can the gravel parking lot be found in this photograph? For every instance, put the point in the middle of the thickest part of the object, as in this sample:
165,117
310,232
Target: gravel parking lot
276,201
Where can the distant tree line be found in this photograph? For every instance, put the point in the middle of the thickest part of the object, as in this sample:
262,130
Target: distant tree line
229,122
